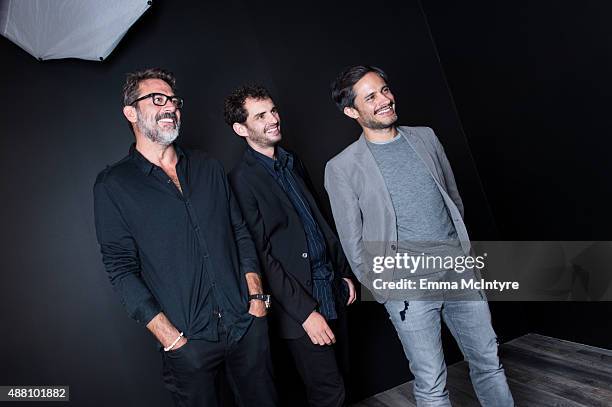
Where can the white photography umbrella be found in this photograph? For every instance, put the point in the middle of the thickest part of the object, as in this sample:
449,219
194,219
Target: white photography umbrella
55,29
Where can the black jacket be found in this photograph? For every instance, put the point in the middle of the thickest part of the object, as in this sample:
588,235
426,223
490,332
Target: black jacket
281,242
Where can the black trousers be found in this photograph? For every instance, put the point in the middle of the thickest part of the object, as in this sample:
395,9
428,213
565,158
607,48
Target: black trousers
318,368
189,372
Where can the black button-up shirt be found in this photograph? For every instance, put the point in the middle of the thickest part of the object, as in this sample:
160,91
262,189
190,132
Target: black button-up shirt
186,253
282,171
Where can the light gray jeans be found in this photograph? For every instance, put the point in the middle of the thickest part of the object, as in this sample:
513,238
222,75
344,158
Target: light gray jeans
418,326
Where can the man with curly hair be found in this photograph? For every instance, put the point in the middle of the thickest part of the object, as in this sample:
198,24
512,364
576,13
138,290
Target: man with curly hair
303,264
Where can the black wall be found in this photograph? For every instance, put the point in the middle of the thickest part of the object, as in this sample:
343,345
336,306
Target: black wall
531,83
62,123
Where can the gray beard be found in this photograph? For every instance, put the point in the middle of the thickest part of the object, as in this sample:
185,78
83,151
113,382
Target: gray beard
165,138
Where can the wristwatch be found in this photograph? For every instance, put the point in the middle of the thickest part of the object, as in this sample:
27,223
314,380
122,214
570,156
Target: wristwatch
261,297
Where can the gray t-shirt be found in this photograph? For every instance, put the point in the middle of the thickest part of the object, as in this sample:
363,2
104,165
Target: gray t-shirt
423,221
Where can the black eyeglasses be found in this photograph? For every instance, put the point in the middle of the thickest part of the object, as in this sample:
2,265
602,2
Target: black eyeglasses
159,99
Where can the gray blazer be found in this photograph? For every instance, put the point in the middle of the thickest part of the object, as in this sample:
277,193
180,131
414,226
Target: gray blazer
362,208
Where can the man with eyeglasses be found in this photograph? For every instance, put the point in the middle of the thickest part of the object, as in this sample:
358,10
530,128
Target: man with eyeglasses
180,256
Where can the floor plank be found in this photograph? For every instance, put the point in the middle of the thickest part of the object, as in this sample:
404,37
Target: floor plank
593,358
542,371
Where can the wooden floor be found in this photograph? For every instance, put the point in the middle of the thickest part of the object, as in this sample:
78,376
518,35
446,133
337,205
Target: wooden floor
541,371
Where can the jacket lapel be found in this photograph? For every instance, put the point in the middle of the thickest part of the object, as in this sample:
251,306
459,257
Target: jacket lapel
312,202
260,173
417,145
364,156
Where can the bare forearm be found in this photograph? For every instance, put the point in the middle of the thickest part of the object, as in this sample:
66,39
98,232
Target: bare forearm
165,332
254,283
256,307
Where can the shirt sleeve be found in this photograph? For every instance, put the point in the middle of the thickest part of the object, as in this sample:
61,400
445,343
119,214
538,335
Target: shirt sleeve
247,254
120,258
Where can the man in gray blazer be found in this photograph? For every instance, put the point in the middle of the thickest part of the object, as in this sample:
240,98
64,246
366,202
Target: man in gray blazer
393,194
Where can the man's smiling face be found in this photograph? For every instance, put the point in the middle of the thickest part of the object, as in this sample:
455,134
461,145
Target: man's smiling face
263,122
374,103
159,124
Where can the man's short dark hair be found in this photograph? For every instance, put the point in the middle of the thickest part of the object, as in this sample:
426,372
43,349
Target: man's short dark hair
342,88
233,108
133,79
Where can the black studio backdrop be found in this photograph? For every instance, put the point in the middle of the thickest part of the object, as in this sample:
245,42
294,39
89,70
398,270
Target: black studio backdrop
516,94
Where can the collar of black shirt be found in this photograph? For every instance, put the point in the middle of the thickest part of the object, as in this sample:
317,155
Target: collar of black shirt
147,166
283,159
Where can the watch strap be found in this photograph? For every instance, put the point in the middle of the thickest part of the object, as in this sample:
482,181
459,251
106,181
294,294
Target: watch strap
261,297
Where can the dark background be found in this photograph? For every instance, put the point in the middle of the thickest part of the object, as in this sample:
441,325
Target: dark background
516,91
